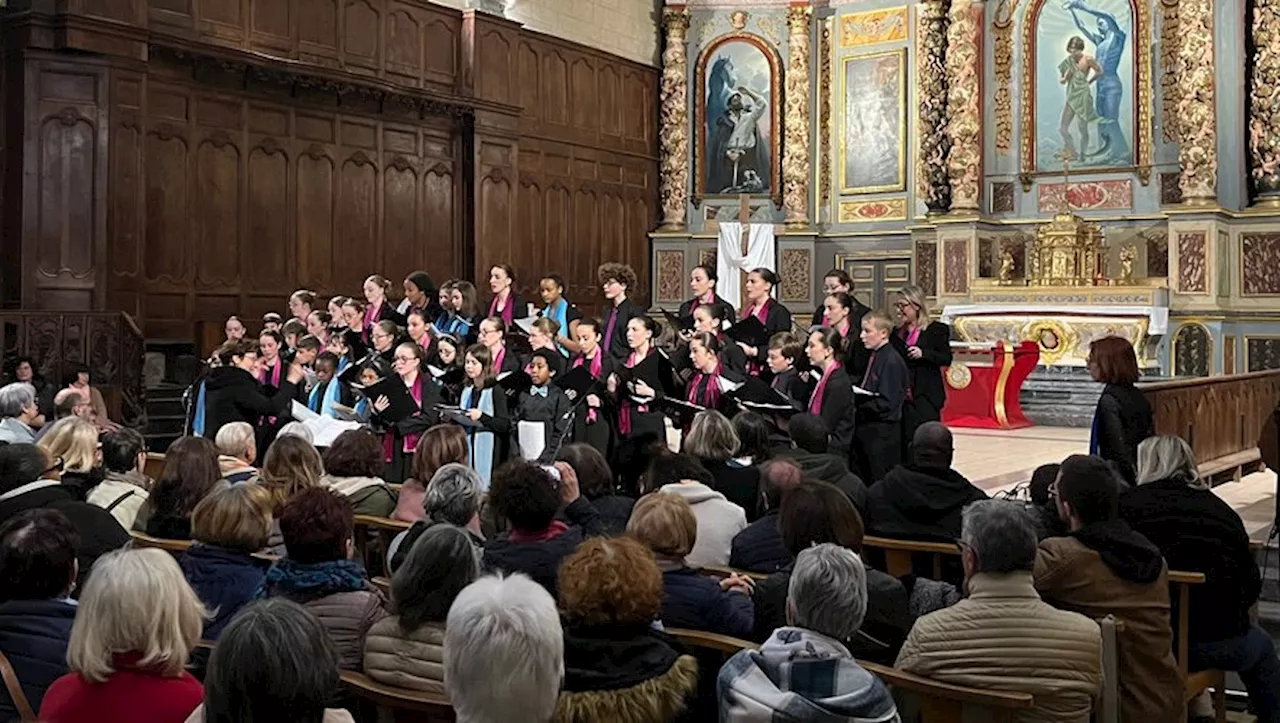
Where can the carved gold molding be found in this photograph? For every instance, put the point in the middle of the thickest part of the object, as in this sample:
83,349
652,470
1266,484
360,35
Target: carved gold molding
1003,52
824,114
1264,103
964,108
796,158
1198,142
674,115
932,185
1169,67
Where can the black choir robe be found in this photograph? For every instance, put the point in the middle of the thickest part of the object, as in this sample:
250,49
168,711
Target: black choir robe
924,377
688,307
234,395
598,433
731,355
777,319
702,395
511,362
387,312
792,384
856,353
625,312
400,467
838,410
551,410
878,437
519,307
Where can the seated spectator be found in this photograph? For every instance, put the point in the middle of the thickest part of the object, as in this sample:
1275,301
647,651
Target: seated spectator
440,445
922,500
719,520
37,572
29,480
527,496
292,464
759,548
24,370
66,403
137,623
273,663
810,438
1003,637
1105,568
319,574
804,672
754,443
228,526
190,471
666,525
299,430
1048,523
75,442
19,414
237,449
406,650
125,488
596,481
713,441
616,666
353,466
814,513
78,379
503,652
1197,531
453,498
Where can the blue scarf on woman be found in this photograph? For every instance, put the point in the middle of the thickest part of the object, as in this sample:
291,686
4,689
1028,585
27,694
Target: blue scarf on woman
559,311
302,582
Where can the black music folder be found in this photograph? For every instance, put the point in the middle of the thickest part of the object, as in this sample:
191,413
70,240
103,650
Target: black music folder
576,382
750,331
654,370
393,388
679,323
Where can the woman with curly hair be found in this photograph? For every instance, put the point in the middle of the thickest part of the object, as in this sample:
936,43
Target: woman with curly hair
616,666
617,280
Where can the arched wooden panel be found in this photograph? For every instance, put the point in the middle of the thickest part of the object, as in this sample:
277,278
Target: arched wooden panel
215,220
166,208
403,247
66,185
357,223
316,220
268,245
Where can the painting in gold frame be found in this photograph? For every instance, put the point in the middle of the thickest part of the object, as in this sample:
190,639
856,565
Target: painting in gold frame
873,125
730,161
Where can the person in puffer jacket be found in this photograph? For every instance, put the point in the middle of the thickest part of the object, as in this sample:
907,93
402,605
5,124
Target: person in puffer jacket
318,525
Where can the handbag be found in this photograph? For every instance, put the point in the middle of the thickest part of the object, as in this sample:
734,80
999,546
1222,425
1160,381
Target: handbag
26,715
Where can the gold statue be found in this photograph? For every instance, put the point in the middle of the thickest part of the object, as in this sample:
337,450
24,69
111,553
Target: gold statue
1006,266
1127,255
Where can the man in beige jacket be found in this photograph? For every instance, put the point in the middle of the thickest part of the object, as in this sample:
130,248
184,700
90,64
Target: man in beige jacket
1003,637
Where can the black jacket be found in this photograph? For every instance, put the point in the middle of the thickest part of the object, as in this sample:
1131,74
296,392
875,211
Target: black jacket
1121,421
759,547
627,310
100,533
740,485
687,308
1196,531
856,353
919,503
33,636
838,409
541,560
694,601
924,375
832,469
777,319
234,395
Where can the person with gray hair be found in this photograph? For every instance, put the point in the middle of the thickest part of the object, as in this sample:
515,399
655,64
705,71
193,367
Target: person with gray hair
503,652
453,497
804,671
237,449
1196,530
1003,636
19,415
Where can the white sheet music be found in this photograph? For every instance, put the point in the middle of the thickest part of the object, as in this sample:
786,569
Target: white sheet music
859,390
327,429
533,439
300,412
526,323
727,385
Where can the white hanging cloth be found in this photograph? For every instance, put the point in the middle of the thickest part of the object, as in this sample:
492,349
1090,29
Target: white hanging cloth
730,263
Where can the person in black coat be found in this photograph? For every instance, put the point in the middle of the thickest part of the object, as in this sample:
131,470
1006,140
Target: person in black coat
832,396
877,446
785,352
926,347
713,442
401,435
1123,417
922,500
760,304
702,281
759,547
617,280
1197,531
233,393
810,450
595,480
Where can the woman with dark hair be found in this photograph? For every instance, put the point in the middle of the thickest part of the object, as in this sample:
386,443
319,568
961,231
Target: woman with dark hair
832,396
446,364
754,432
419,331
702,282
384,337
302,303
595,479
24,370
400,436
493,335
617,280
559,310
406,650
639,424
273,663
1123,416
440,445
760,304
466,311
925,345
484,403
353,466
710,319
234,393
506,304
706,369
835,281
592,423
419,293
190,472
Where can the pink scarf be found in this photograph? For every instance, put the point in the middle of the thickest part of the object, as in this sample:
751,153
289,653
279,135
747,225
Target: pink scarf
498,358
712,395
624,413
271,375
410,440
708,298
825,322
909,335
594,368
507,311
372,315
815,401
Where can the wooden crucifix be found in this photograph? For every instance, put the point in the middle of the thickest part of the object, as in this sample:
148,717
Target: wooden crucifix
744,218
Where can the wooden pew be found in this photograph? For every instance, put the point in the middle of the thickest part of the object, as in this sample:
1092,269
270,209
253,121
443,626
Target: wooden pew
720,572
373,539
177,547
898,554
1180,587
154,466
398,704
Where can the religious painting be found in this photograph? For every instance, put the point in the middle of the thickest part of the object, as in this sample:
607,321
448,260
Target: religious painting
737,116
1085,85
873,132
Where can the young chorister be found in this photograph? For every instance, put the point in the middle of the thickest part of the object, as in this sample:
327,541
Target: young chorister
591,425
328,390
704,387
640,425
544,402
271,321
506,304
273,365
290,332
356,334
309,347
384,336
419,332
376,307
301,304
784,357
702,281
760,304
832,397
558,309
403,427
878,438
493,335
616,280
447,363
542,336
710,319
484,403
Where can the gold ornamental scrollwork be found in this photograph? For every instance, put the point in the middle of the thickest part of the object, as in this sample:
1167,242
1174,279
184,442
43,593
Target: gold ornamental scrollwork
1198,142
964,108
1003,56
1264,103
1054,338
1170,65
796,159
932,184
959,376
824,114
674,116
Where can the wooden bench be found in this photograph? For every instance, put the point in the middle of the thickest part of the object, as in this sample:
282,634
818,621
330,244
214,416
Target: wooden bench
177,547
898,554
398,704
1180,584
154,466
373,536
720,572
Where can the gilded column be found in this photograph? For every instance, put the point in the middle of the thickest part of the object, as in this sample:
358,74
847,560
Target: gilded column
796,167
964,107
1197,118
932,184
1264,103
676,161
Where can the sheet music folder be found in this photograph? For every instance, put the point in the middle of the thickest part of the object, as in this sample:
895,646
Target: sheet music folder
393,388
749,331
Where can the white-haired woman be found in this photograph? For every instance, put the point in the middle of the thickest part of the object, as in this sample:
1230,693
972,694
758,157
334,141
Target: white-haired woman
1196,531
925,344
136,625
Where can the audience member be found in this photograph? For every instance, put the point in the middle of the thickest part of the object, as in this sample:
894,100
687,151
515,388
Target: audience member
29,480
453,498
77,378
19,414
136,625
713,441
237,449
804,672
1122,418
719,520
503,652
759,548
1197,531
814,513
126,487
66,403
665,523
922,500
440,445
1105,568
24,371
292,464
75,442
1048,523
597,483
406,650
353,466
754,432
527,496
810,437
1003,637
38,570
318,527
617,668
190,471
273,663
228,526
299,430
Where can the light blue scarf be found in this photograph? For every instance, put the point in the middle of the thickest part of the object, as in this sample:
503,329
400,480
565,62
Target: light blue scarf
479,441
197,422
333,392
559,312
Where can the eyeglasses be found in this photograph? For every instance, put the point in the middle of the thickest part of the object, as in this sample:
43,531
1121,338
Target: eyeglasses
58,464
406,360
